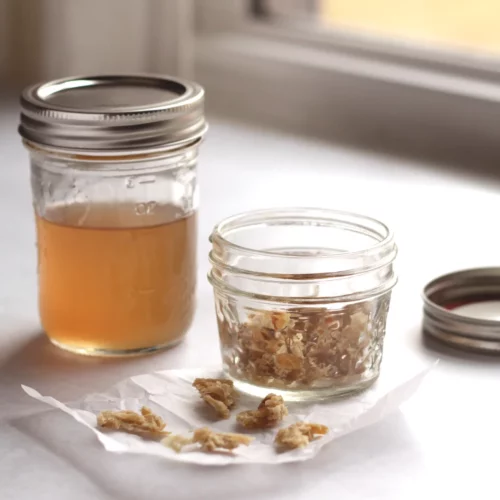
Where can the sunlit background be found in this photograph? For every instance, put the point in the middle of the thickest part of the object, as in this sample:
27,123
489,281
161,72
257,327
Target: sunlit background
464,23
343,49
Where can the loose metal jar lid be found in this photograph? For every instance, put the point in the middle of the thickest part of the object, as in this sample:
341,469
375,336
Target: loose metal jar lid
112,113
462,309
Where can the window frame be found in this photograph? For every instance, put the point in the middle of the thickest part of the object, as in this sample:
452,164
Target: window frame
447,99
232,18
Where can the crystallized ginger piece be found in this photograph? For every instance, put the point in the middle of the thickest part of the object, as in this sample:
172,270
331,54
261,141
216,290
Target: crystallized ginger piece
359,320
211,441
298,435
271,410
288,362
218,393
129,421
273,407
176,442
275,320
280,320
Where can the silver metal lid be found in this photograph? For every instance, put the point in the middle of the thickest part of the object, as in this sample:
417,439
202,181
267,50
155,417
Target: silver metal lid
462,309
112,113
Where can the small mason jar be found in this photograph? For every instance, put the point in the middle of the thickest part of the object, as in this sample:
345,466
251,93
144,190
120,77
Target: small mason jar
113,172
302,297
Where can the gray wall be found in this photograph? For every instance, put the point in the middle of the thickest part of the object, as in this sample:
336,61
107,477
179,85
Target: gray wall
45,39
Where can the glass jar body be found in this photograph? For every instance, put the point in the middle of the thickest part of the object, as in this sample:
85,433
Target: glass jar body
302,352
116,239
302,298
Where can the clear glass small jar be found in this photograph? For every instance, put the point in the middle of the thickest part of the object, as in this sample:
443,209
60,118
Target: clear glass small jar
302,297
113,172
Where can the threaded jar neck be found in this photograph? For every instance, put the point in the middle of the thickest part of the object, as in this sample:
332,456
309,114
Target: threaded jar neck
303,255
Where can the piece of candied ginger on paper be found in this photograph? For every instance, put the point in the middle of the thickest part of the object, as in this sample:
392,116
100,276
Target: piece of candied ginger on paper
176,442
298,435
212,441
208,440
145,422
218,393
271,410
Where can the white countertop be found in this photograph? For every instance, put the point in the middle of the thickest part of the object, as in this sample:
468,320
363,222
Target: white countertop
443,443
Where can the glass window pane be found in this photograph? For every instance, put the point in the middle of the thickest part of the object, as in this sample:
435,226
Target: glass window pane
473,24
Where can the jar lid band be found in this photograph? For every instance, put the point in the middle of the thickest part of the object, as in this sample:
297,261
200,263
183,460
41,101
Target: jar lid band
462,309
113,113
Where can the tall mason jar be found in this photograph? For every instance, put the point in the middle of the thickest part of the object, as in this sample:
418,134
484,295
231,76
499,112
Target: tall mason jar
302,297
113,172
